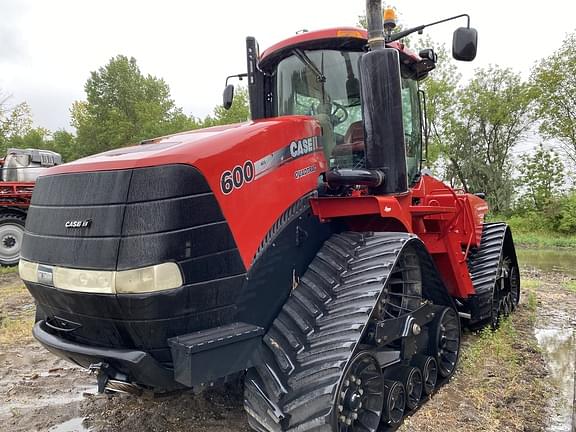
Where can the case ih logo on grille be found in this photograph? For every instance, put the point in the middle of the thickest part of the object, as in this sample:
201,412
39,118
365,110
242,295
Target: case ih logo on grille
78,223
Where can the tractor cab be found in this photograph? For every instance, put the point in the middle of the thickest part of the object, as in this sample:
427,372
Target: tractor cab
372,132
318,74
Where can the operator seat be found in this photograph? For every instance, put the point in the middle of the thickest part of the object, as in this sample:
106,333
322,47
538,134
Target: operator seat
355,133
353,140
350,152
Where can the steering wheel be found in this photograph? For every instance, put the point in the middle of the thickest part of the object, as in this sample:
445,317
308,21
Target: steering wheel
339,114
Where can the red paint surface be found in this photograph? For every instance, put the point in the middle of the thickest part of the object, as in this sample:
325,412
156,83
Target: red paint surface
449,222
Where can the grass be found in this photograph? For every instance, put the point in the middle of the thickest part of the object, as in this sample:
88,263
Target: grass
570,285
496,362
528,234
544,240
16,330
493,346
8,270
7,291
530,284
16,317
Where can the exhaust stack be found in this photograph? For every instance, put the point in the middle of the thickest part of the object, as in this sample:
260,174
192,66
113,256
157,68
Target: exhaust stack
382,106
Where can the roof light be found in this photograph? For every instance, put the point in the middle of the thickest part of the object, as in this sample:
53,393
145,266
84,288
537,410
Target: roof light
351,34
390,18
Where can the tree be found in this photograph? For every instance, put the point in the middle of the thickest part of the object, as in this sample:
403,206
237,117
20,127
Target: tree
555,81
541,178
64,142
124,107
492,114
441,88
14,121
238,112
33,138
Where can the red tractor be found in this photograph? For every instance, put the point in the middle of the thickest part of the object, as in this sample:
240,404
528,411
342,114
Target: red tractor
304,251
19,170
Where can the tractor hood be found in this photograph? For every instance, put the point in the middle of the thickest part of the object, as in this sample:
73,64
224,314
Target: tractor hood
198,146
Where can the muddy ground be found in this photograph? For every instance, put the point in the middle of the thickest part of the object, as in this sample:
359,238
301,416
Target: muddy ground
500,385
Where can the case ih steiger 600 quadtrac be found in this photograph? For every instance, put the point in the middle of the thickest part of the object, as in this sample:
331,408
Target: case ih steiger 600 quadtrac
303,251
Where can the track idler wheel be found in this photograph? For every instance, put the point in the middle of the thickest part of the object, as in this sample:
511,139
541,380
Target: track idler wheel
394,403
445,340
411,378
429,369
514,281
360,399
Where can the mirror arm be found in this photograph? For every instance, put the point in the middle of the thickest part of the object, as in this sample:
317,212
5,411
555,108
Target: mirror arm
395,36
239,76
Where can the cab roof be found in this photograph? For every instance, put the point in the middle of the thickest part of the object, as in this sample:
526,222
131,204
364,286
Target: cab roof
350,38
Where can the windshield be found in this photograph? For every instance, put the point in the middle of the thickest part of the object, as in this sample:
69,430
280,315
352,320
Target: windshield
325,84
332,95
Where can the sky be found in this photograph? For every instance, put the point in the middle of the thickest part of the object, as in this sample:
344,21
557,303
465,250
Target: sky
49,48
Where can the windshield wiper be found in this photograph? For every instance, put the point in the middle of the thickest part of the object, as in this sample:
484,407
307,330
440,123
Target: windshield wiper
307,62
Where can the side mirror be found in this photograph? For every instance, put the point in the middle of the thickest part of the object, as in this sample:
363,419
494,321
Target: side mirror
228,96
429,54
464,44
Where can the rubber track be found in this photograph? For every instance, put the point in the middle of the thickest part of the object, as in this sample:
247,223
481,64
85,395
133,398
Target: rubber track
315,334
483,264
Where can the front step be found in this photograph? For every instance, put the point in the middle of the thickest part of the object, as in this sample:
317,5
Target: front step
206,355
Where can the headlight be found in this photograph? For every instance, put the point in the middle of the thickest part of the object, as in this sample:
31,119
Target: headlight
28,271
147,279
93,281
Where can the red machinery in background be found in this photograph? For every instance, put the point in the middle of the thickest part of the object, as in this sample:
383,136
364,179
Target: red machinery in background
19,171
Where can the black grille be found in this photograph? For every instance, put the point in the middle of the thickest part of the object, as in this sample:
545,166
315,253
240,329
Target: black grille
138,217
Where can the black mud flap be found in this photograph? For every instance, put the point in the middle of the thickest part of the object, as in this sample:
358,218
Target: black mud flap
204,356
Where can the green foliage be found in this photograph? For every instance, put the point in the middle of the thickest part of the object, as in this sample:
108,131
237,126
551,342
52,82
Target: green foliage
238,112
33,138
124,107
64,142
553,226
61,141
15,121
541,178
491,115
571,285
441,91
555,81
567,222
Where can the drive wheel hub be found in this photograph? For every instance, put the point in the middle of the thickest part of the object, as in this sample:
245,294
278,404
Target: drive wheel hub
360,398
9,242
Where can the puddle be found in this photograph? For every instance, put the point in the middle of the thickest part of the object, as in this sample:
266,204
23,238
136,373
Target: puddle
43,401
556,334
559,347
72,425
548,260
